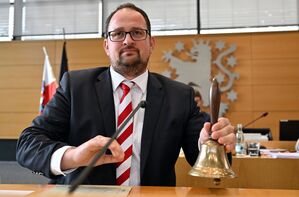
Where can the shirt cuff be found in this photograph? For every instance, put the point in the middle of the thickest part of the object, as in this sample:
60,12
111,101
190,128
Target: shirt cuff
55,162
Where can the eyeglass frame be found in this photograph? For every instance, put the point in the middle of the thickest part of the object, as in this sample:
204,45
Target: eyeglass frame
128,32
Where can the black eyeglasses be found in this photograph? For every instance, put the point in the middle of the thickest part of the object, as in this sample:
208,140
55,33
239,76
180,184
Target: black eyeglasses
136,35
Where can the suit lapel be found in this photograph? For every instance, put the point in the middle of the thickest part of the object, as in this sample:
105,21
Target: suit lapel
154,98
106,101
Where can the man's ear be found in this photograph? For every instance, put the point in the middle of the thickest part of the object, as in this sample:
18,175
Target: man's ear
105,46
152,43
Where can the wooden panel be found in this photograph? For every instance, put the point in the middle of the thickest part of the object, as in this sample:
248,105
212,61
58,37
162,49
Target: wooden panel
244,98
19,100
25,52
143,191
25,76
244,69
275,45
30,76
241,117
86,66
83,52
275,98
12,124
275,71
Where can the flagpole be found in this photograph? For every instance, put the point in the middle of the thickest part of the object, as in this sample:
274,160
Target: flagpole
64,61
63,31
45,51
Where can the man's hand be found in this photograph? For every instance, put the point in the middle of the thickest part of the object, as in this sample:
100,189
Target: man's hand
81,156
222,131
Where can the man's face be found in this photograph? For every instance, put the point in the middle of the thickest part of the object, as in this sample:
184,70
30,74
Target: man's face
128,57
198,101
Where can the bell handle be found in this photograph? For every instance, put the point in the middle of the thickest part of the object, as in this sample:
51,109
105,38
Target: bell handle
215,98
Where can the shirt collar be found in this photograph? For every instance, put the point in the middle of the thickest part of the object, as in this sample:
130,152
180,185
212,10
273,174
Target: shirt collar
140,81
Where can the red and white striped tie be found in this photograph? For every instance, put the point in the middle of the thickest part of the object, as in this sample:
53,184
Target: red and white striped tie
125,138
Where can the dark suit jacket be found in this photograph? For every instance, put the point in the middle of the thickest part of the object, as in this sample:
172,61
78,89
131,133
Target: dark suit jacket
83,107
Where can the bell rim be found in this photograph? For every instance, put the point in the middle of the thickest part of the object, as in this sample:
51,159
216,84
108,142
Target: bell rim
228,173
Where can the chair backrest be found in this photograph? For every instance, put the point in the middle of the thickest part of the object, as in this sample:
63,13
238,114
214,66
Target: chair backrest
289,130
12,173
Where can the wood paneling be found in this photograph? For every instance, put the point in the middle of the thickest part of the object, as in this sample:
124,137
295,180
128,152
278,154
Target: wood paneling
275,71
88,51
14,123
275,45
244,69
19,100
244,94
25,76
20,52
275,97
267,63
137,191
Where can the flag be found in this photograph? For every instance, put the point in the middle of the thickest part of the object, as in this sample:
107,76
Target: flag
49,84
64,64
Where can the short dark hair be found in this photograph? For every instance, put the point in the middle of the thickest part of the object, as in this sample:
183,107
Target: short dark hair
195,88
129,6
197,94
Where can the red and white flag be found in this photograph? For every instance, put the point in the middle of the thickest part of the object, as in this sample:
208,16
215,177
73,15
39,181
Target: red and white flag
49,84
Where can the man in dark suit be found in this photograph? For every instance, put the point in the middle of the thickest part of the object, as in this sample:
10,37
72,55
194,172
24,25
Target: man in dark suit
82,115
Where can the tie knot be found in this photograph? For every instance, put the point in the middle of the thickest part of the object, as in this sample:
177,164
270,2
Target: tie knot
126,85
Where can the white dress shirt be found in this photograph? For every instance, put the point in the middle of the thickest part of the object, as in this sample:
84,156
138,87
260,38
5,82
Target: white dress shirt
138,92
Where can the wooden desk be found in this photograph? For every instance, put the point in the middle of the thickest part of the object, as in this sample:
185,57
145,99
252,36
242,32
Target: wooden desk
266,173
205,192
170,191
289,145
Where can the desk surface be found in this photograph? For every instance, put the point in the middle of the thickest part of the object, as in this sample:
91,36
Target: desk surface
165,191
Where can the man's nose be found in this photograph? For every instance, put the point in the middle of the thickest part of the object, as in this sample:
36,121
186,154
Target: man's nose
128,39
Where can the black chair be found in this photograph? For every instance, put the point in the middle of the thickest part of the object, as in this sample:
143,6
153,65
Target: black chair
11,172
289,130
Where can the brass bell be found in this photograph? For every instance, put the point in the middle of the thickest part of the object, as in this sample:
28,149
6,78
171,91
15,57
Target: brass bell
212,160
